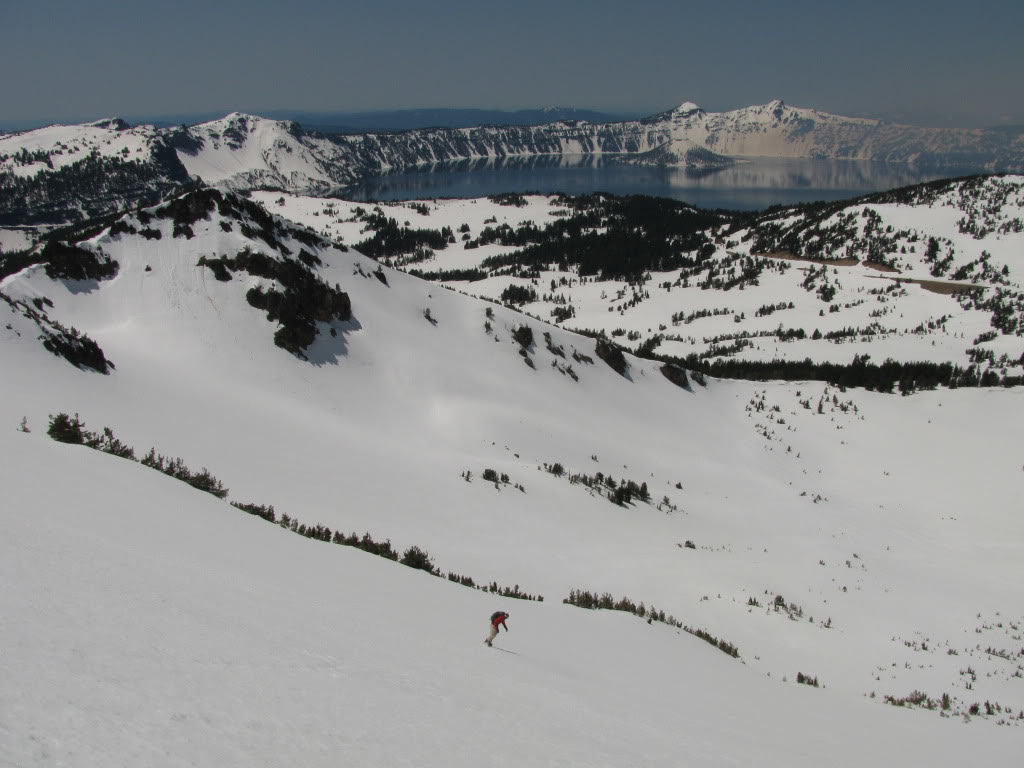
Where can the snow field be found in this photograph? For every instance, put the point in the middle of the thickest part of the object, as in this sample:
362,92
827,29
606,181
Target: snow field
917,494
864,295
158,626
67,144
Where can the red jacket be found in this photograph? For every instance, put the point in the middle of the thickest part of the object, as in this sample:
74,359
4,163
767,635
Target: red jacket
498,620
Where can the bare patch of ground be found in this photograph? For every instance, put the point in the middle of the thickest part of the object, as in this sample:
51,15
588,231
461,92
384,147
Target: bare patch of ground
947,289
938,286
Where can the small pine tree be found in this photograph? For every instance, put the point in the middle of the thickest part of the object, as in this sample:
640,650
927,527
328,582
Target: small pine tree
524,336
66,429
414,557
110,444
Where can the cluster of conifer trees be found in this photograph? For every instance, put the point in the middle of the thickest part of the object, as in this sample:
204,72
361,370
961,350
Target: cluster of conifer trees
886,377
592,600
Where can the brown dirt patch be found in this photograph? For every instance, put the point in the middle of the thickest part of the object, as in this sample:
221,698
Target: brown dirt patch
939,286
947,289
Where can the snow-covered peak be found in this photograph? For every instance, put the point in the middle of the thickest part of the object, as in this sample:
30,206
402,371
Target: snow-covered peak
243,151
239,121
230,119
110,123
686,108
774,109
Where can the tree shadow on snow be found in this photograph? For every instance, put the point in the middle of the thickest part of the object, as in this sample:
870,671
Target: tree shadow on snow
81,286
330,344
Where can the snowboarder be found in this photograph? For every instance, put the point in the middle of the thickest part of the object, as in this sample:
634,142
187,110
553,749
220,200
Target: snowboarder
497,620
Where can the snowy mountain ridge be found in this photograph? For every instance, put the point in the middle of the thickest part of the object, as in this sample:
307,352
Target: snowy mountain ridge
769,130
247,152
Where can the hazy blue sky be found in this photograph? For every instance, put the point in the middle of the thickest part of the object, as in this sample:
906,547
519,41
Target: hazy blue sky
84,59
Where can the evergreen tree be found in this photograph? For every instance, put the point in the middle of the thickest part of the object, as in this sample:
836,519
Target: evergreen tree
414,557
66,429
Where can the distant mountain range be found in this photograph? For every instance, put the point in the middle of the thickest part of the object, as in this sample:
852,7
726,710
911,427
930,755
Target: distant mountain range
374,120
411,119
61,173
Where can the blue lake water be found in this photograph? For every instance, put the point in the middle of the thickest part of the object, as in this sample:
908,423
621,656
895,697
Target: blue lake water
747,185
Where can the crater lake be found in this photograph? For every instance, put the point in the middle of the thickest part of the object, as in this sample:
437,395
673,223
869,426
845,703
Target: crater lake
749,184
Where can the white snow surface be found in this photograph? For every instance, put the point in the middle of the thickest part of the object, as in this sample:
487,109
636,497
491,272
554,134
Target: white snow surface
67,144
154,625
16,238
904,321
147,623
245,150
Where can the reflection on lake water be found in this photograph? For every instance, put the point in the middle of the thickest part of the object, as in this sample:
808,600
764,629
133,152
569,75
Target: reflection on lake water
748,185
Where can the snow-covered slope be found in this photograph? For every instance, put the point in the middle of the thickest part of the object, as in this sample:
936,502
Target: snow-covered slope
870,541
56,146
149,624
245,151
65,173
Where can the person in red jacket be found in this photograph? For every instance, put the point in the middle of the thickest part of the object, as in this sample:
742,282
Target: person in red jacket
497,620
